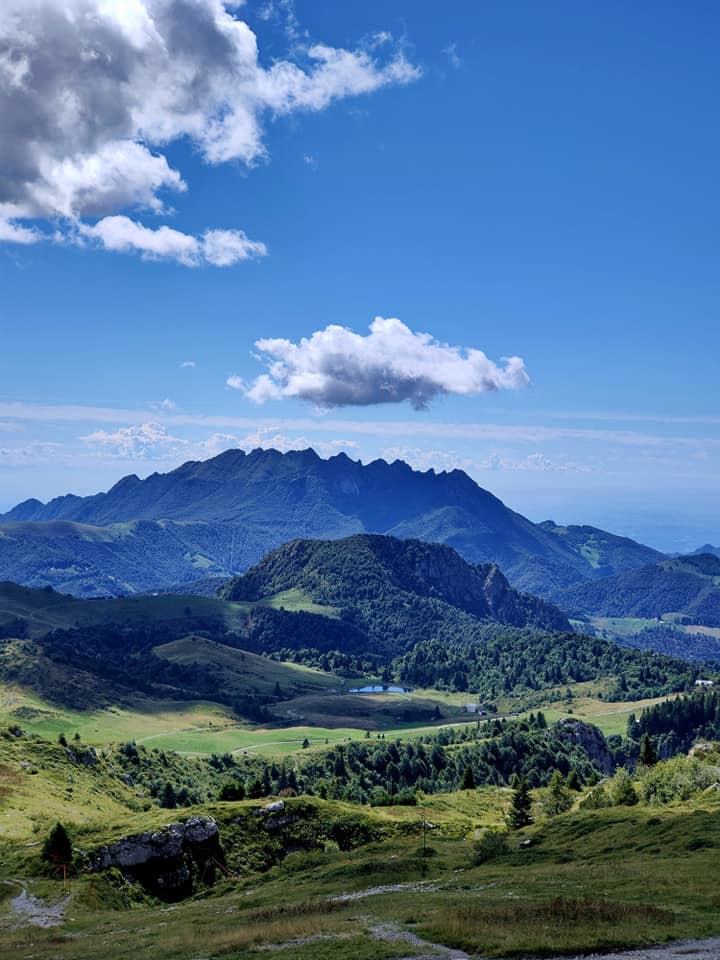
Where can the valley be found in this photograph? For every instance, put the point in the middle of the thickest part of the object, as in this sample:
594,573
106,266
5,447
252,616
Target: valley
367,743
359,444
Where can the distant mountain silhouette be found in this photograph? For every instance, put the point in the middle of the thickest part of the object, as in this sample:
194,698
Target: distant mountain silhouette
217,517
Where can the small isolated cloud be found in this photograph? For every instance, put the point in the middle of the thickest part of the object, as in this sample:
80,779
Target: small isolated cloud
93,93
451,53
188,365
235,382
166,406
336,367
146,441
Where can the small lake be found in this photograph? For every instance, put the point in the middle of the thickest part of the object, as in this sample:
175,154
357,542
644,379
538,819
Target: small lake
378,688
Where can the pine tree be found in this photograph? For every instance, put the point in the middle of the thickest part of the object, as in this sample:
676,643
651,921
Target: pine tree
468,779
168,798
57,849
648,756
519,813
573,780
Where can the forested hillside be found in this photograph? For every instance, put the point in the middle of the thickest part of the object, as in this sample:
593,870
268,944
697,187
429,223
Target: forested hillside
688,586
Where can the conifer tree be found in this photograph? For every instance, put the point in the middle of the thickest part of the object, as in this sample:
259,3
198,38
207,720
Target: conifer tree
468,780
648,756
519,813
57,849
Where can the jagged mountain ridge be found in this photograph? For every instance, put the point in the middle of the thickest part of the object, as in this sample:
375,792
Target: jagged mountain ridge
219,516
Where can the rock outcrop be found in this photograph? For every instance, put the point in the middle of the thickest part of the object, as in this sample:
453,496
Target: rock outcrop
168,862
590,739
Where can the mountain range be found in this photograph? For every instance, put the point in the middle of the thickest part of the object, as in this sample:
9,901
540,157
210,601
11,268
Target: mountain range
688,588
215,518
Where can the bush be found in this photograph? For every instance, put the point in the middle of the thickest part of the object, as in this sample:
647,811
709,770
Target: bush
491,845
677,779
596,799
232,790
621,790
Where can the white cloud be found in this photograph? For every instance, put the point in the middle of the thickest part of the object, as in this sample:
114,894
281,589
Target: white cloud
122,234
235,382
336,367
221,248
533,463
188,365
422,458
167,405
29,454
19,412
268,438
92,92
152,441
147,441
451,53
11,232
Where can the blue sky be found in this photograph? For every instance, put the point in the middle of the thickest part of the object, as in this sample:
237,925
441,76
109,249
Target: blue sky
532,181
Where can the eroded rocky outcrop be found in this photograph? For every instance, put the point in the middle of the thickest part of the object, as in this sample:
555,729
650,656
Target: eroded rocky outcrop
168,863
590,739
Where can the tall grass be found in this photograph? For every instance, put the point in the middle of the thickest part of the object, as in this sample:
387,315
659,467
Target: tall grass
559,924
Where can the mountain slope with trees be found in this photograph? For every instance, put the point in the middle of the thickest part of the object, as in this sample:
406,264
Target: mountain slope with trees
392,587
687,586
221,515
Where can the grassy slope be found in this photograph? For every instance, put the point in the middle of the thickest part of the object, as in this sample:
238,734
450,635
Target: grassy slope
588,881
630,626
48,611
243,670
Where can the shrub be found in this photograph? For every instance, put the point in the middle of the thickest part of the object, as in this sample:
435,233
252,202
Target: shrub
232,790
596,799
677,779
491,845
621,789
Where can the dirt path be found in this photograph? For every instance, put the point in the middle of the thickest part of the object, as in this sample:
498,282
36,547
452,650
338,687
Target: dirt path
31,911
417,886
434,951
680,950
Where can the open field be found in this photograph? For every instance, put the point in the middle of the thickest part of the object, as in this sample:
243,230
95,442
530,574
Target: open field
244,671
203,727
622,626
630,626
610,717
